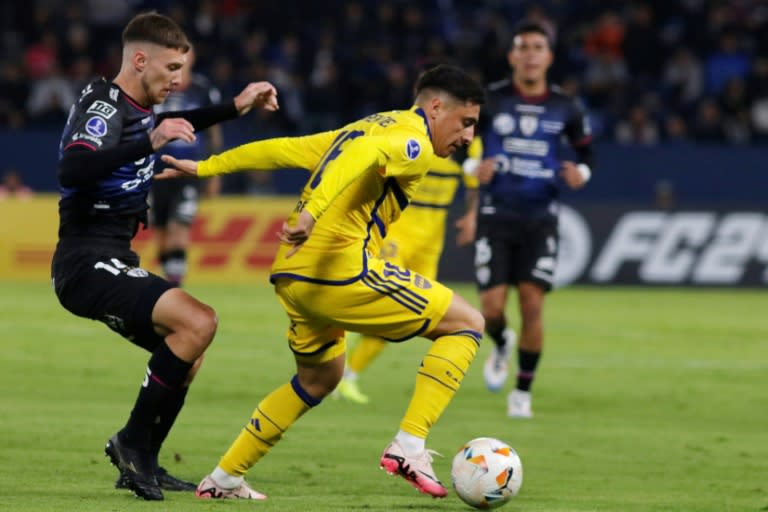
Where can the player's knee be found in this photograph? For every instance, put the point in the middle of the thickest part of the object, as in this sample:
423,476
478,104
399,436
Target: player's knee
202,326
320,381
493,314
320,384
475,320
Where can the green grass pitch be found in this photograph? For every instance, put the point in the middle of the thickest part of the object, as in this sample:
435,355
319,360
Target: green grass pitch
646,400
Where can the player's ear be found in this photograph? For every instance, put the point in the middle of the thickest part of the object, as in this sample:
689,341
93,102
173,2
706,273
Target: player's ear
435,106
140,59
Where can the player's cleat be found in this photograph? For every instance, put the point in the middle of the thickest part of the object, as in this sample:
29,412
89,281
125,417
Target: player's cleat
165,480
210,490
170,483
496,368
136,469
350,391
519,404
417,470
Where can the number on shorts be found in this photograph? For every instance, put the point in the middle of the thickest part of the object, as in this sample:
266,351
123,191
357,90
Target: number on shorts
114,268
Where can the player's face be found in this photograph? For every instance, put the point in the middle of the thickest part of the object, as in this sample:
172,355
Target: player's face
454,126
163,72
530,56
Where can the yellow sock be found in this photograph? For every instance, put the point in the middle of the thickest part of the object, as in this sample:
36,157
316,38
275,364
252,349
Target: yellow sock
276,412
366,350
438,379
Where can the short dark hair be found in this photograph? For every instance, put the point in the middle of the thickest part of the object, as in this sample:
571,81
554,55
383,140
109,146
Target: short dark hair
528,27
453,80
151,27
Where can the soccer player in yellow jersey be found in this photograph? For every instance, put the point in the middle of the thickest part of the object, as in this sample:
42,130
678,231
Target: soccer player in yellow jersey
329,279
415,242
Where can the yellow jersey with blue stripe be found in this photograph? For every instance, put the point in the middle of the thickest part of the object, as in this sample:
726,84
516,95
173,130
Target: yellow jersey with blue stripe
422,226
363,176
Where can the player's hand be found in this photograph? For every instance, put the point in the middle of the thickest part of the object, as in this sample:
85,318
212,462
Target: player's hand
170,129
298,234
571,175
178,168
467,226
485,170
257,94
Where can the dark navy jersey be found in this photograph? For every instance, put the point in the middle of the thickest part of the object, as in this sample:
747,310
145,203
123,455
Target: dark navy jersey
525,135
105,117
199,93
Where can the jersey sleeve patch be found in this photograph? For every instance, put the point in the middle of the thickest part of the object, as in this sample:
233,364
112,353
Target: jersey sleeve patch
412,149
101,108
96,126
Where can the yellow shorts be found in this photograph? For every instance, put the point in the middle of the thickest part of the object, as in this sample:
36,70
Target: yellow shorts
389,302
421,260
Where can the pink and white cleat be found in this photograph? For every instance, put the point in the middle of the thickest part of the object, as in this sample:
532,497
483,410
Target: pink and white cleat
209,489
417,470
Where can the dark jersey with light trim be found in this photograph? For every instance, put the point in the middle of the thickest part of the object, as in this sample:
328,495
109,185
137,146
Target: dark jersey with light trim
525,134
102,118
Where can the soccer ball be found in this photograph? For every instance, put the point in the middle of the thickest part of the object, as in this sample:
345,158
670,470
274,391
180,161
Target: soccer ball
486,473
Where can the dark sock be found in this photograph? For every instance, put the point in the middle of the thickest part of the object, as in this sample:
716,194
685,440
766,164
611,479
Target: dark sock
164,421
496,332
174,263
527,362
165,375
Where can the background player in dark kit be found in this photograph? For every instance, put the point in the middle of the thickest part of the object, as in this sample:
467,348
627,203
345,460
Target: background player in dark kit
520,175
174,203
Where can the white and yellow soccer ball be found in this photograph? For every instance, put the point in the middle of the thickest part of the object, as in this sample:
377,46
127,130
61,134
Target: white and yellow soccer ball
486,473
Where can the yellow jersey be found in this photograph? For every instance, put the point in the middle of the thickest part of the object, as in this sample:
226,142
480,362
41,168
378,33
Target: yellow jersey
422,226
363,176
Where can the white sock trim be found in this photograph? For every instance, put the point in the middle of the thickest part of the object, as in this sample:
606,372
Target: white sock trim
225,480
411,444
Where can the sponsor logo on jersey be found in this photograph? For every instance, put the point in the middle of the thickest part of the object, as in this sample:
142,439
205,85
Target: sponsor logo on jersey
114,92
101,108
85,136
525,146
530,109
412,149
504,124
96,126
88,89
552,126
529,125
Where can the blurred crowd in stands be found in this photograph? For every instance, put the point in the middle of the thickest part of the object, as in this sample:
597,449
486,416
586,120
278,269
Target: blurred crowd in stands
649,71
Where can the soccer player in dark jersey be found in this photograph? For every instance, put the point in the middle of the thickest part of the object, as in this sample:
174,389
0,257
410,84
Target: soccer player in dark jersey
106,164
516,223
174,203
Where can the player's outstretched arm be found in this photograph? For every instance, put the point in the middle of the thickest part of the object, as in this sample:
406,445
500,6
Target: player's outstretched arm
178,168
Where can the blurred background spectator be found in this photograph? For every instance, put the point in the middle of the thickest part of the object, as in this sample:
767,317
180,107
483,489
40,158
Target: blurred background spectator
12,185
650,71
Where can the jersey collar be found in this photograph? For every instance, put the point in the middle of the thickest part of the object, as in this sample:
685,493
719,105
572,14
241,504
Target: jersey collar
420,112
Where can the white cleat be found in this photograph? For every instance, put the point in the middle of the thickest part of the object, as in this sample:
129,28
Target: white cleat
210,490
496,367
519,404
